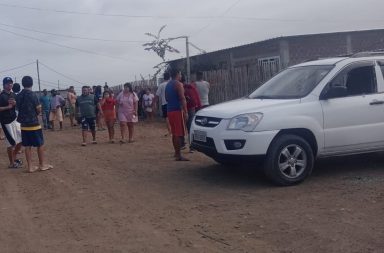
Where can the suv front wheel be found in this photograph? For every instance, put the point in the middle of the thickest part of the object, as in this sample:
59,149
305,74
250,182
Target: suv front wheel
289,160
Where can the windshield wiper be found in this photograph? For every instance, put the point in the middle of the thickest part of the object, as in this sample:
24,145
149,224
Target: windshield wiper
263,97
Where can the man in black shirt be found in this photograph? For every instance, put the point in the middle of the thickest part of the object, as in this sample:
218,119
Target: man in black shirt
31,133
9,124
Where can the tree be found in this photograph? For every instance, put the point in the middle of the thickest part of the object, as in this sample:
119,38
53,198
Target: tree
160,46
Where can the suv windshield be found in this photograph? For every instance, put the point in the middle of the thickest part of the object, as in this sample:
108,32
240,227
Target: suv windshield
292,83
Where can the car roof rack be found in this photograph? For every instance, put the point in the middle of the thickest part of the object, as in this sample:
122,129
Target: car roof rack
368,53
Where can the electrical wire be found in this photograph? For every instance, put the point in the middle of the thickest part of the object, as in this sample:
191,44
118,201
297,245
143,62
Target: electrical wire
57,72
221,15
99,14
18,67
71,36
182,17
64,46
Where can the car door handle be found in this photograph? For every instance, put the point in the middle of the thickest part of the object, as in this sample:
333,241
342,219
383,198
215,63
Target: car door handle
376,102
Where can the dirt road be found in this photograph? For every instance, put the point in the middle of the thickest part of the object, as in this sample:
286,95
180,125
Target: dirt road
135,198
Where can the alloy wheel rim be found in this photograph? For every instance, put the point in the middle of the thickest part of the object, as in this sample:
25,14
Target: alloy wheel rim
292,161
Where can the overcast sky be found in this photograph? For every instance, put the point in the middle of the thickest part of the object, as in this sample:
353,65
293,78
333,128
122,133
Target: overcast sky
27,29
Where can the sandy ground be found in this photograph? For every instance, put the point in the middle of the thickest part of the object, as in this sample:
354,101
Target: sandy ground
135,198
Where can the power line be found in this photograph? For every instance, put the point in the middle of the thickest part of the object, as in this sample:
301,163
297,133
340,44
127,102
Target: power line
43,82
182,17
66,76
96,14
202,51
230,8
70,36
220,16
18,67
64,46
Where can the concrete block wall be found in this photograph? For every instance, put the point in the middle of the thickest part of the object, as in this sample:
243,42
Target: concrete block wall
292,50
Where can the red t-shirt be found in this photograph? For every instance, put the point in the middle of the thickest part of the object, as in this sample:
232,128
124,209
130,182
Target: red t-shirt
109,104
192,97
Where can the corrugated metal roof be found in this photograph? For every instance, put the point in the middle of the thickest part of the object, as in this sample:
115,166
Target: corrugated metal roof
281,38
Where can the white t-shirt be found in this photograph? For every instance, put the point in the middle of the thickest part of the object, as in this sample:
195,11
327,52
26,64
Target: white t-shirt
161,92
203,90
148,99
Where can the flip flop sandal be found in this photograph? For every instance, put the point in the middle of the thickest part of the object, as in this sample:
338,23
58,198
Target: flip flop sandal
46,167
83,144
182,159
34,169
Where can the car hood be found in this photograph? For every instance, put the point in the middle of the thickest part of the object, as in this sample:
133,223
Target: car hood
233,108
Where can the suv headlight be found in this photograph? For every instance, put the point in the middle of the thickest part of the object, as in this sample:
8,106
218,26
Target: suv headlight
245,122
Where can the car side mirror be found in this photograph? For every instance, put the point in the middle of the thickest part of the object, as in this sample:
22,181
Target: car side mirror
334,91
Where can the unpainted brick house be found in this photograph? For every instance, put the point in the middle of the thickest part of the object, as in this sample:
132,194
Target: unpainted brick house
278,53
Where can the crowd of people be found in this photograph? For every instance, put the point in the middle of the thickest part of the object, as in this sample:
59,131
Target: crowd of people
94,108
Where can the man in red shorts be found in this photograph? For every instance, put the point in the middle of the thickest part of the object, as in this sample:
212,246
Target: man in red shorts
176,111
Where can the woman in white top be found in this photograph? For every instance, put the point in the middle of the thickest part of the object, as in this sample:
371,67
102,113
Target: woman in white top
148,98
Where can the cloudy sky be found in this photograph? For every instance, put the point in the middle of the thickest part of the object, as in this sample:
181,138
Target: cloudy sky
97,41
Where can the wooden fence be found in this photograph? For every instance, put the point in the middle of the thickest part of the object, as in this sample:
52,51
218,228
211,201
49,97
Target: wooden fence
225,84
231,84
137,85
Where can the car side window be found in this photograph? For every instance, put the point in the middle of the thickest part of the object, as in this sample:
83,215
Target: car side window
358,79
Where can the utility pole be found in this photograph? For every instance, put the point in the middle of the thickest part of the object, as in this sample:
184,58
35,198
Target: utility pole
188,60
188,79
38,76
58,85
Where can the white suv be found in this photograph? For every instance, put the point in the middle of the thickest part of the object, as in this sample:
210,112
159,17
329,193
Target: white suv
327,107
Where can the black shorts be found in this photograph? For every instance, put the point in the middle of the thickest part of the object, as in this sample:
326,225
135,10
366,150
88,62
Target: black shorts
88,124
164,111
33,138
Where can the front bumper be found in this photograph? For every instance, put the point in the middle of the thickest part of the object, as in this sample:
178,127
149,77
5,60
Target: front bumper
256,143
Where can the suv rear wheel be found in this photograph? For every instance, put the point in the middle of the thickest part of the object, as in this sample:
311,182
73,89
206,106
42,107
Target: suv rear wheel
289,160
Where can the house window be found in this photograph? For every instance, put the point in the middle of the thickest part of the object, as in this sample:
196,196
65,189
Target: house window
268,67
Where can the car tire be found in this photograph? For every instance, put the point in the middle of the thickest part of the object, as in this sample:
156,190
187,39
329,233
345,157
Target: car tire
289,160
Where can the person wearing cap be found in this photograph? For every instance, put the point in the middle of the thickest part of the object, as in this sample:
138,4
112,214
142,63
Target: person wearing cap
57,101
31,133
9,124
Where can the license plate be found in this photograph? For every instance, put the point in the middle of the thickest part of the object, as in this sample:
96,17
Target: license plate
200,136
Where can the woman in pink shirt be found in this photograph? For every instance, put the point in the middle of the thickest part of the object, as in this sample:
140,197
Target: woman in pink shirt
126,107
